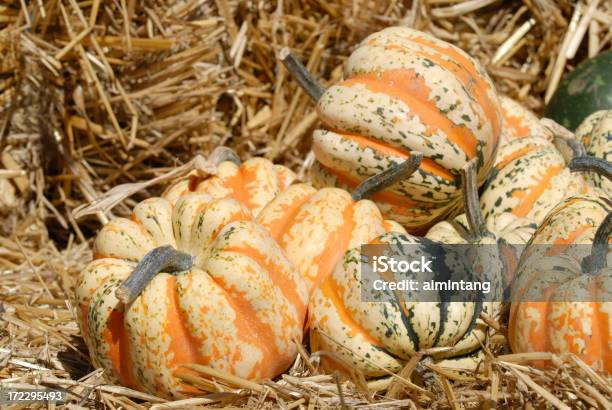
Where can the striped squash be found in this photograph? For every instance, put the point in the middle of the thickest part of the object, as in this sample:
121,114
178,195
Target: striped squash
379,336
315,227
254,183
595,132
406,90
207,285
529,178
519,122
559,303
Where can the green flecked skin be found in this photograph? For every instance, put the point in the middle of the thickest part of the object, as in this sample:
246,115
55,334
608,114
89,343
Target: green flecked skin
585,90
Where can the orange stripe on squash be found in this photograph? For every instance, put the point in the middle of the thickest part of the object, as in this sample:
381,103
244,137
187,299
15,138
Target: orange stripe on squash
118,341
534,192
251,330
410,88
285,284
277,227
467,72
503,162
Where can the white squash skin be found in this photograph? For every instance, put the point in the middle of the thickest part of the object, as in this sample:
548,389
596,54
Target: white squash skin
238,310
595,132
411,217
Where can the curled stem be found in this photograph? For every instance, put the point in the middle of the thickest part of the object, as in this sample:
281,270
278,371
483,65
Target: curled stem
588,163
598,258
163,258
301,74
388,177
469,178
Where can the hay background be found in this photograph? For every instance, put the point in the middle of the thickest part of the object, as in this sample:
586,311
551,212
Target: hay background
98,92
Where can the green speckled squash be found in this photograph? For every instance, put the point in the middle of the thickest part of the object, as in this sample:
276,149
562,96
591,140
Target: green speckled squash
596,134
586,90
406,90
379,336
528,179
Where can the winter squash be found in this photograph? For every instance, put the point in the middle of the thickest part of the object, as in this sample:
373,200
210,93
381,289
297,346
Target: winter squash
315,227
528,179
561,300
519,122
595,132
379,336
585,90
254,183
197,282
405,90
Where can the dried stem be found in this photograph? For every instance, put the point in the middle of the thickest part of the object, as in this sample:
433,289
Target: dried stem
301,74
470,198
389,177
588,163
163,258
598,258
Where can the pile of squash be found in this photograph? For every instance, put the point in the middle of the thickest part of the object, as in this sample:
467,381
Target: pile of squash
232,271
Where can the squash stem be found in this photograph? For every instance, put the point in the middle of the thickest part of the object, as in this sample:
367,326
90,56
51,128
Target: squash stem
388,177
301,74
222,154
598,258
470,199
577,148
588,163
163,258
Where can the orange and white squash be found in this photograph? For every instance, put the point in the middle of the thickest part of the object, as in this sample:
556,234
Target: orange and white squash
379,336
529,178
225,296
315,227
405,90
595,132
561,304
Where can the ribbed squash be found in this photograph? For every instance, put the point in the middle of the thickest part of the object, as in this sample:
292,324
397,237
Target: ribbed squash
560,303
315,227
207,285
253,183
529,178
406,90
519,122
596,135
379,336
